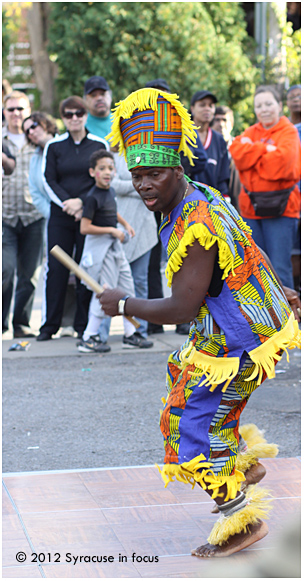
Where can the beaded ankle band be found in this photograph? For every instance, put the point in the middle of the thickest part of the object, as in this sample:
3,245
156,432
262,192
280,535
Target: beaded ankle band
232,506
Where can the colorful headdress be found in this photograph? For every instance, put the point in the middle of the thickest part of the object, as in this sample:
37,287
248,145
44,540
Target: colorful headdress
151,128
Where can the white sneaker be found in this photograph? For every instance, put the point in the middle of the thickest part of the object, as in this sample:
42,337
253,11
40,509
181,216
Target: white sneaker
67,332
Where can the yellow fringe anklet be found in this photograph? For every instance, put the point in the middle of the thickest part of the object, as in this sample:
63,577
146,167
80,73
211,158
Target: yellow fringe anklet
257,447
257,508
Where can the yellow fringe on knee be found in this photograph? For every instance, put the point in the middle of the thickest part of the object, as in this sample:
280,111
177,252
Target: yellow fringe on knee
198,471
257,508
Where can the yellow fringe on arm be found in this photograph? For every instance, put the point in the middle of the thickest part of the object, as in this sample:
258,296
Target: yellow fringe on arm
257,508
200,233
147,99
198,471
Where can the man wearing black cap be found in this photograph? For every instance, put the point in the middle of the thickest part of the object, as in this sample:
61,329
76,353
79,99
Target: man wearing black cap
98,99
217,172
158,84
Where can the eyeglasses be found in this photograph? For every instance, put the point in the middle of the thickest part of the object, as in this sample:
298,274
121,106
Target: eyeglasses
12,109
69,114
33,126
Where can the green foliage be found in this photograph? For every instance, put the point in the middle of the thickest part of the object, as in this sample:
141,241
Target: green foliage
292,42
193,45
7,39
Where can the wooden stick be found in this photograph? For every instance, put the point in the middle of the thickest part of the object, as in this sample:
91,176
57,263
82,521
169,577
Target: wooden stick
67,261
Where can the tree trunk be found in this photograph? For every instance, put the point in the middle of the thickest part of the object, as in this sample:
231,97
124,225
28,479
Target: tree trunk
44,69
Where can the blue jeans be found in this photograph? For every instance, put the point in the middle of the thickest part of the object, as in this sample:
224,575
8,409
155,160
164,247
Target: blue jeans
276,236
22,252
139,268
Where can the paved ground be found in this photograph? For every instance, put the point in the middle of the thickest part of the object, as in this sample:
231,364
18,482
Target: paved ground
66,410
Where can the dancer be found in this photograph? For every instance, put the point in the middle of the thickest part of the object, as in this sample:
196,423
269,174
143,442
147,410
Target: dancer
241,318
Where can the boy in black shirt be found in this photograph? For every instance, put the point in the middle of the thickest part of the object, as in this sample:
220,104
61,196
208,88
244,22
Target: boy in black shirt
103,257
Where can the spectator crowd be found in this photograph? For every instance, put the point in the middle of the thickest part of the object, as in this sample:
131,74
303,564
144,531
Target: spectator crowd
73,190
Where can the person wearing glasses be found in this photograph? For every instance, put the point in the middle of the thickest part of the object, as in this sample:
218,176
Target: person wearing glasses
22,223
66,178
268,158
39,128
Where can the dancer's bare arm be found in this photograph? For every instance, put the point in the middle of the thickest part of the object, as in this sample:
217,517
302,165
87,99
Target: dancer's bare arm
189,287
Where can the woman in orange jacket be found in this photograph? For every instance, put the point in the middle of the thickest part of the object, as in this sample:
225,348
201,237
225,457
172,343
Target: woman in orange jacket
268,158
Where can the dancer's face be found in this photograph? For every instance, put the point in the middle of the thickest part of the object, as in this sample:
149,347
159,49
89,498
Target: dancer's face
159,187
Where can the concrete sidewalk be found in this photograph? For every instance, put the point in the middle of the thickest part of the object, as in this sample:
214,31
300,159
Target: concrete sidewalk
66,346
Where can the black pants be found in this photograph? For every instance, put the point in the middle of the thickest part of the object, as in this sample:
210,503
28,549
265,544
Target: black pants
22,253
64,231
154,275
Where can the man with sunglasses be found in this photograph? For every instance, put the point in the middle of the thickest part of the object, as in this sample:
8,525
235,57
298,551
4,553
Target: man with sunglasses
22,224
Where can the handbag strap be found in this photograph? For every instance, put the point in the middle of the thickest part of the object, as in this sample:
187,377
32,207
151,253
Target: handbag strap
286,191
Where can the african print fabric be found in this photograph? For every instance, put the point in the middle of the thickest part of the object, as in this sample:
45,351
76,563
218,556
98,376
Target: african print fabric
250,314
234,344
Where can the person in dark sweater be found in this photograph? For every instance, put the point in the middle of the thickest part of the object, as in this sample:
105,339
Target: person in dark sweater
103,257
65,168
216,172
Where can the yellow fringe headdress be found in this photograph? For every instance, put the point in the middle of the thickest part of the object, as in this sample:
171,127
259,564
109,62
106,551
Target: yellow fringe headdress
151,128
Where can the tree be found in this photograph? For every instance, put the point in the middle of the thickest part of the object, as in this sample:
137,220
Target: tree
194,45
37,23
7,39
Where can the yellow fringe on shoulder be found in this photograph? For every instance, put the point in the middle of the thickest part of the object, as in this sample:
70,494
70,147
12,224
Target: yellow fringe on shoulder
265,356
257,508
198,471
147,99
201,233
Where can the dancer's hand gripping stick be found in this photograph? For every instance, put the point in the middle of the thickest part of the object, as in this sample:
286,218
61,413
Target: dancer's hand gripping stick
67,261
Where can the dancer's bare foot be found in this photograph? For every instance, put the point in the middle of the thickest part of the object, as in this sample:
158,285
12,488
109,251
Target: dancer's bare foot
253,475
234,544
